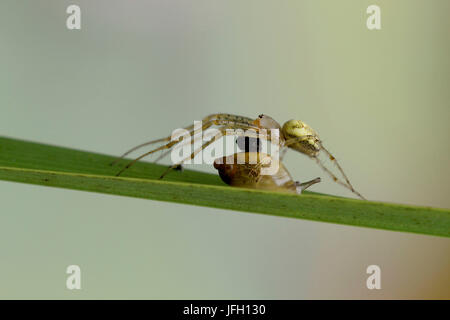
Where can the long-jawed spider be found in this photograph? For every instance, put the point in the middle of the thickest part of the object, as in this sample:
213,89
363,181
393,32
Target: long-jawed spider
294,134
237,170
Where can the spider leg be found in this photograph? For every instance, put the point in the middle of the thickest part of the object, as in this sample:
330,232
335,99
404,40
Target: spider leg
333,159
345,184
163,147
283,153
207,119
337,180
181,138
256,168
206,135
163,155
336,163
135,148
183,144
189,128
222,132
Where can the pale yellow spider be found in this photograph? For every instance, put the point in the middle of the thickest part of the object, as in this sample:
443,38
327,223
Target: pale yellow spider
295,134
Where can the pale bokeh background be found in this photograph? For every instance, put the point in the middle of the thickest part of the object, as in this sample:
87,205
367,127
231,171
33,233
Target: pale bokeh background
138,69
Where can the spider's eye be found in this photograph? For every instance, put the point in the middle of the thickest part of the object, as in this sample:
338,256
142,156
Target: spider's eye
261,116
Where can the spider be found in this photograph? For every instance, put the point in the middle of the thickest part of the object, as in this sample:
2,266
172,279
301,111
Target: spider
294,134
236,170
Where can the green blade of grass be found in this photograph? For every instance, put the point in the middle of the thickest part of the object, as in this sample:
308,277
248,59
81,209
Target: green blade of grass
46,165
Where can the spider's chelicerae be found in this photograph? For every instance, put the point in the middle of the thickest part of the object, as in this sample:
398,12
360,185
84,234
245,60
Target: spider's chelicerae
294,134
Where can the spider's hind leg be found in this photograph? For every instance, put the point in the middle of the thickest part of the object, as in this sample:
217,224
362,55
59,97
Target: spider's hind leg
208,119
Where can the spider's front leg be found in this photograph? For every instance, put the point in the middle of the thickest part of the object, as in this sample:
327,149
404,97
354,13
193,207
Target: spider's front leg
315,155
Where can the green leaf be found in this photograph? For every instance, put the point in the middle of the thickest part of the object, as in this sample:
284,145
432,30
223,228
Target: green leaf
47,165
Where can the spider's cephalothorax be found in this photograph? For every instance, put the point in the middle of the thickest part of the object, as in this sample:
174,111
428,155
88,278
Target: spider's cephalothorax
301,137
294,134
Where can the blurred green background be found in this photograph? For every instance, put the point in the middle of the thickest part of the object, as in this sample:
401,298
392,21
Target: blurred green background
138,69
